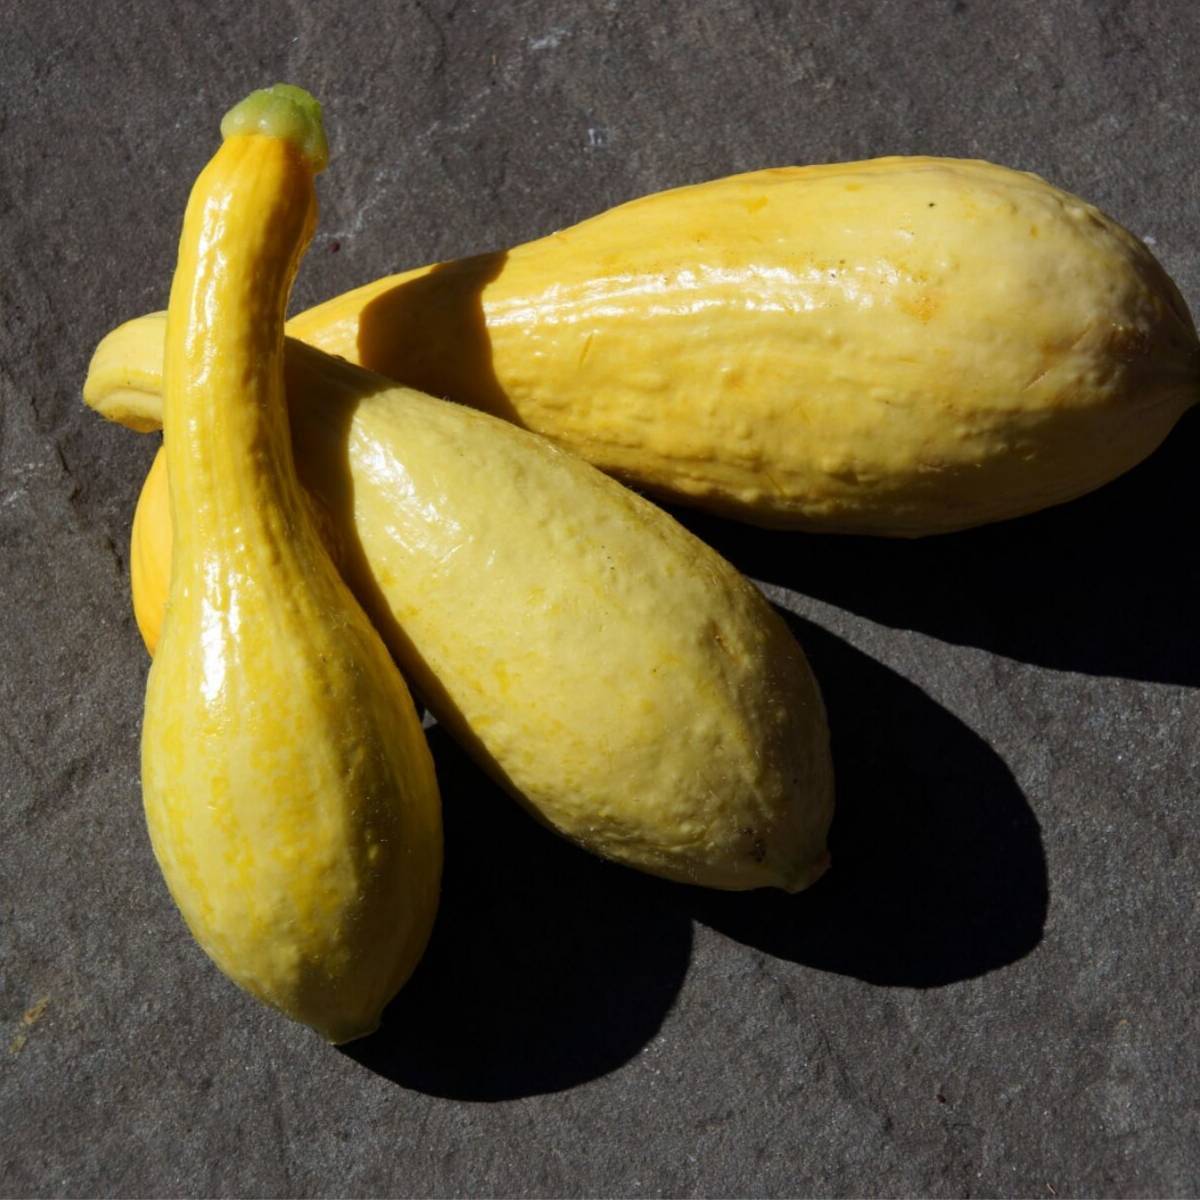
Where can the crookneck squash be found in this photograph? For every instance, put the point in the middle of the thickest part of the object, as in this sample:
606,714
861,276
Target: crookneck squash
288,789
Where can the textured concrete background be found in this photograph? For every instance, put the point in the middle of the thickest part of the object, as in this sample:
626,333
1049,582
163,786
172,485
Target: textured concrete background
994,994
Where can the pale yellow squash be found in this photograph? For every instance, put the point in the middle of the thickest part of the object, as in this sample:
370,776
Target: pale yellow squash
902,346
616,675
289,792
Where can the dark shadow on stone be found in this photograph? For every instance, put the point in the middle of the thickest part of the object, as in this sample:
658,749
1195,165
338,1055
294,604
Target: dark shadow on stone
1106,585
547,967
430,334
938,870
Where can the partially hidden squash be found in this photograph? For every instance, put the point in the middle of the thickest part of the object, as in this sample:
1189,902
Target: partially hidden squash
610,670
900,347
289,792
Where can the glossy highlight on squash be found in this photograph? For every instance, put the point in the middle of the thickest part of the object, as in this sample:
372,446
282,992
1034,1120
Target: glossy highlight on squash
288,789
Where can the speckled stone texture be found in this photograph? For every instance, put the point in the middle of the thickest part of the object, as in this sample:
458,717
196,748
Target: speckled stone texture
993,994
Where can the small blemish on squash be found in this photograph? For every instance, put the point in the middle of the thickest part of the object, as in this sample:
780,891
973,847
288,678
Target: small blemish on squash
758,848
923,307
1129,344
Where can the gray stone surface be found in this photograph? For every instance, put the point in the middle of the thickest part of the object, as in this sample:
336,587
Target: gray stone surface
994,994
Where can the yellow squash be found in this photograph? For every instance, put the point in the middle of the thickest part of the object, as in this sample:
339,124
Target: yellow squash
288,788
616,675
900,347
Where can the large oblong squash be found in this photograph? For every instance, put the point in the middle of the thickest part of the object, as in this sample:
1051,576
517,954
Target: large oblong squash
900,347
288,789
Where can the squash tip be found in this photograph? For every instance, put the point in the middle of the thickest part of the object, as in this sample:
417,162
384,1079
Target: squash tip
283,111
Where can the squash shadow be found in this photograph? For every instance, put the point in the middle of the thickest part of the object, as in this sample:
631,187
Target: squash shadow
1105,585
429,333
547,966
938,872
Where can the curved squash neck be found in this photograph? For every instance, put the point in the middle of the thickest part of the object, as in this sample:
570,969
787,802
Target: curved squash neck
225,426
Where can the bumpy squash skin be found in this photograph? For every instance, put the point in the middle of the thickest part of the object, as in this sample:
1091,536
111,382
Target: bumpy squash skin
617,676
899,347
288,788
896,347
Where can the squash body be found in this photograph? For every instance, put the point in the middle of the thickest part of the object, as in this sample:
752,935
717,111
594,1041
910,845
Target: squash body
898,347
616,675
288,789
901,346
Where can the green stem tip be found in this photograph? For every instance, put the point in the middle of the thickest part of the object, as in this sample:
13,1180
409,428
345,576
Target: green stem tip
282,111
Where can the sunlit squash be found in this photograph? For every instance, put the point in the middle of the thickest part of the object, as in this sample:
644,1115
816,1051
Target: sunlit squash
288,789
